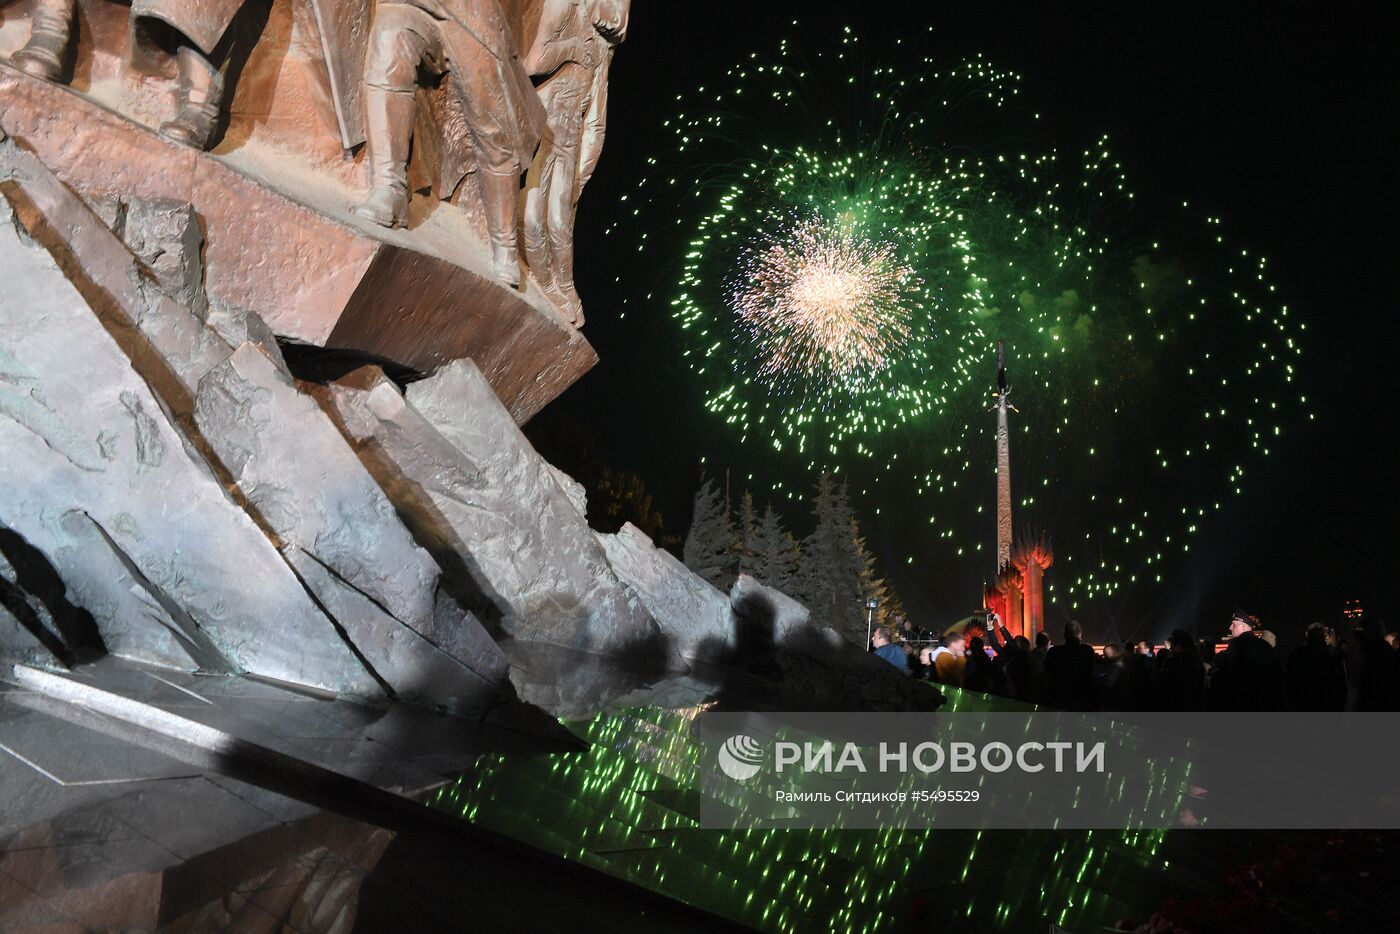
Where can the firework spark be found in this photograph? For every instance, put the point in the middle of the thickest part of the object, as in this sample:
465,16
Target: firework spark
821,302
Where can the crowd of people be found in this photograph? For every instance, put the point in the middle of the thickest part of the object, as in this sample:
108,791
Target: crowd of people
1358,670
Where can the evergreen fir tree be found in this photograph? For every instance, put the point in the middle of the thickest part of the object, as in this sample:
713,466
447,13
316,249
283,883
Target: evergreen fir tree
834,573
746,537
709,545
891,610
775,554
616,497
837,572
872,587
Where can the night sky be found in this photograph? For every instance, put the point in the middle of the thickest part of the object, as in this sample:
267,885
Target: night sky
1281,120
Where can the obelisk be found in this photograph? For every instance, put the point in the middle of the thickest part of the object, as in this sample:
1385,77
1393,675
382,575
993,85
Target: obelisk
1003,395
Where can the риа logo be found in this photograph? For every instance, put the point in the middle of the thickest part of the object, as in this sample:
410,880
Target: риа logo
741,757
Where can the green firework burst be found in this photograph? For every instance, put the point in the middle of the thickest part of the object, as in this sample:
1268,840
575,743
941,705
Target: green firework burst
1148,354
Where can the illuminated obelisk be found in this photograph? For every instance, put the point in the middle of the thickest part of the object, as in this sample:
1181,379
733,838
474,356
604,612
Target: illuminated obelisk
1006,596
1017,593
1003,397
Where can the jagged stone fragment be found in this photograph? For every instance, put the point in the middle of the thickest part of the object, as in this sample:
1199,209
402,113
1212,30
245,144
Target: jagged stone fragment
414,669
290,465
307,485
693,616
24,641
751,600
85,440
490,508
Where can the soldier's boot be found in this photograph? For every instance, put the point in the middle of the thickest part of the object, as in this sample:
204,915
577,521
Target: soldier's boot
42,56
389,129
500,196
200,92
562,256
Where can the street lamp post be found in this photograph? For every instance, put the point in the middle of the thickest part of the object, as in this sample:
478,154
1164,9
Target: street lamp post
870,606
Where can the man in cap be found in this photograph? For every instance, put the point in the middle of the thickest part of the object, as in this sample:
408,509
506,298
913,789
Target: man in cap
1248,675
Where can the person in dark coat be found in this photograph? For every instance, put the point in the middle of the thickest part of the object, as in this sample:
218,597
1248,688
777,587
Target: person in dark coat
1181,680
981,676
1069,672
1206,650
1142,668
1111,686
1315,675
1370,668
887,650
1037,667
1042,645
1248,674
1020,668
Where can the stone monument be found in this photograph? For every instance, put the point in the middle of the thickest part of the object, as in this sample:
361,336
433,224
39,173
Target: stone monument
256,114
281,281
180,181
1016,594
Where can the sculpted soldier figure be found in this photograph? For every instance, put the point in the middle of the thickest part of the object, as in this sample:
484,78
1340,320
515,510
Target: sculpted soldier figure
192,29
51,22
201,35
195,31
572,52
469,42
198,33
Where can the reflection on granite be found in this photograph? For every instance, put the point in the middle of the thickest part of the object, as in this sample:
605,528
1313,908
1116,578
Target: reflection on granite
283,809
297,872
574,685
799,674
105,826
102,834
628,806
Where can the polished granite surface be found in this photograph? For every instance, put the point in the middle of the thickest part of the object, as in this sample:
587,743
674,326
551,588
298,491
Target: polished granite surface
312,818
104,826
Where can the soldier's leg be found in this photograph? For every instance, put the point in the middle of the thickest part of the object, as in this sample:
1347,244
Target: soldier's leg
535,229
498,163
209,40
500,196
562,208
201,90
51,23
402,39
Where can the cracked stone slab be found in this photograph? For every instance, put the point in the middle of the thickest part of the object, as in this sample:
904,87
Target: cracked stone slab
137,619
74,443
415,669
165,235
691,613
700,621
308,486
293,470
166,342
490,509
749,599
28,631
19,642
